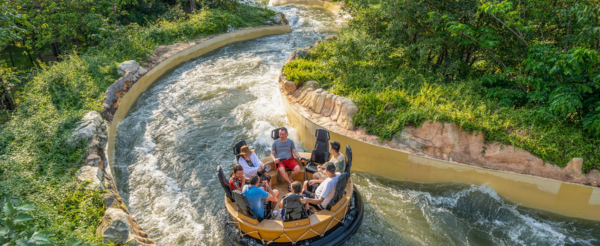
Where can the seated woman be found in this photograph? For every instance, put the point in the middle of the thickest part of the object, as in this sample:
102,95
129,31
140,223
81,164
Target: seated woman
237,180
250,162
336,157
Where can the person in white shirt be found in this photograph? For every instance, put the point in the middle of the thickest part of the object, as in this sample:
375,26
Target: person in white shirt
326,190
250,162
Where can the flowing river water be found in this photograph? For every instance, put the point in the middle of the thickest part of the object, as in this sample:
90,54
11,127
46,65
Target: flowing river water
178,131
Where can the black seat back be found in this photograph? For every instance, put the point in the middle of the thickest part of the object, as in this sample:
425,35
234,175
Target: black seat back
294,209
243,204
349,158
224,183
236,149
340,190
320,153
275,134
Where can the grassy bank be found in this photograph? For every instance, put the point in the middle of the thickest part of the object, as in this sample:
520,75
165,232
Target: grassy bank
405,63
36,163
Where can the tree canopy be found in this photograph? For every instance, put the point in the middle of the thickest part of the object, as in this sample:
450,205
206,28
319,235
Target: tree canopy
535,54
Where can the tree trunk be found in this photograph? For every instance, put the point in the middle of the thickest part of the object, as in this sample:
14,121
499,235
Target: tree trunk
114,10
10,54
55,50
567,37
192,6
6,101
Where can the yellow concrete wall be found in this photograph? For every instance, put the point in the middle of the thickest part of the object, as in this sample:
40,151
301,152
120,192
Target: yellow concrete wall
177,59
568,199
328,5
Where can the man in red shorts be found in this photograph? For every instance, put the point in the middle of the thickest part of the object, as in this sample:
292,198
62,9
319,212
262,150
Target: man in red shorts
283,151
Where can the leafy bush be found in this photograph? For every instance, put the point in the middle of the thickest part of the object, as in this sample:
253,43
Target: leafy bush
310,70
13,229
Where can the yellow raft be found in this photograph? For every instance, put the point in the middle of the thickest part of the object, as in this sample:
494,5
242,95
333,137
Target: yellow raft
331,226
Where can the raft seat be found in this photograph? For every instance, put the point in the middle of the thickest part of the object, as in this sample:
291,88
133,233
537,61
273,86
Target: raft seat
298,177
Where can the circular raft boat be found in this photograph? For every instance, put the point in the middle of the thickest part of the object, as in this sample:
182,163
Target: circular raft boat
331,226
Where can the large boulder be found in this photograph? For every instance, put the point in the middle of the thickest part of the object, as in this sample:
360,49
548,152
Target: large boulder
86,128
289,86
93,175
115,226
328,105
133,67
347,112
119,227
337,102
318,100
115,93
306,97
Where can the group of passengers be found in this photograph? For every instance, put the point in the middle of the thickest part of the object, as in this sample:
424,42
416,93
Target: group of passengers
251,177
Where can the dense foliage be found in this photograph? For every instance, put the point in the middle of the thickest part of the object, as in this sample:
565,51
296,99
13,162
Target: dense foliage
525,73
36,162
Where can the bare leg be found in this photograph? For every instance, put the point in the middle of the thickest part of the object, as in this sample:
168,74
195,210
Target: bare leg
284,175
294,172
305,187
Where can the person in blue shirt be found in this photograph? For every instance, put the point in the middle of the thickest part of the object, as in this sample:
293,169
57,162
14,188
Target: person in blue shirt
256,196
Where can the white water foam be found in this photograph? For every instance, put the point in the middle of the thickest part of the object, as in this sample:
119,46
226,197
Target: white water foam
184,125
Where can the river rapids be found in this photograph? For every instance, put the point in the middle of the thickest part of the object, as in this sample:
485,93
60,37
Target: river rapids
184,125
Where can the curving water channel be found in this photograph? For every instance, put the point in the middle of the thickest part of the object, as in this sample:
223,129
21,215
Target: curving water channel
183,126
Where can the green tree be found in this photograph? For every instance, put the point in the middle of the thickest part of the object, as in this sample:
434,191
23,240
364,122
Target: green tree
9,30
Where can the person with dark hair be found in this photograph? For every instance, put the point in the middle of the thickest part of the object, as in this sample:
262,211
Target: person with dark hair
325,191
250,162
336,157
256,196
296,191
237,179
317,178
283,152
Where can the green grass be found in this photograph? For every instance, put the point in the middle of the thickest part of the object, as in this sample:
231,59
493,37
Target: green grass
36,163
390,98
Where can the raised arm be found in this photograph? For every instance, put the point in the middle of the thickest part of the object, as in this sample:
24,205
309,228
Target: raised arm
272,195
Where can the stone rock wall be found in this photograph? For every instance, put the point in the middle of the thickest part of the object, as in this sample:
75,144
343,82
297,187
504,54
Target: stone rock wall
117,224
445,141
131,72
338,109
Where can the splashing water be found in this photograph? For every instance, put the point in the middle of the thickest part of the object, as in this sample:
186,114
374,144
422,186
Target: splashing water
183,126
